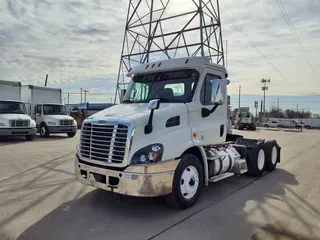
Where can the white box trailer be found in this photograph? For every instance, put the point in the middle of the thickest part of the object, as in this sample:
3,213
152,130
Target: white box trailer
33,95
45,107
10,90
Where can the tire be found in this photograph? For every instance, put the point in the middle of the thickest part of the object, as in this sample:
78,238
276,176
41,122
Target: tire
253,128
29,137
71,134
187,183
266,125
272,154
44,131
256,160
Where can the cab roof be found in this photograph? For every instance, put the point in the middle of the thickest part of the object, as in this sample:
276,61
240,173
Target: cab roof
174,64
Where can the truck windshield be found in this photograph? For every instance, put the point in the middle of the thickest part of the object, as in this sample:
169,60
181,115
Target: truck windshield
12,107
54,109
172,86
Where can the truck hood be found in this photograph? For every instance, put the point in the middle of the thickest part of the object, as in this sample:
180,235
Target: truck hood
58,117
12,116
139,112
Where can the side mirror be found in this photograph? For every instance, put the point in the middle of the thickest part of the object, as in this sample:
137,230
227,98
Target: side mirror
217,94
154,104
122,93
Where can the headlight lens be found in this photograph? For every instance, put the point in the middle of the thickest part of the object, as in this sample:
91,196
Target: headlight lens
149,154
2,124
51,123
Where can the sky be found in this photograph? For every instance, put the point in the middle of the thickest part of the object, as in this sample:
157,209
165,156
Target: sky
78,44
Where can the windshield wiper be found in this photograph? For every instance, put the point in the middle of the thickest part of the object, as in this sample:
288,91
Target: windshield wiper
127,101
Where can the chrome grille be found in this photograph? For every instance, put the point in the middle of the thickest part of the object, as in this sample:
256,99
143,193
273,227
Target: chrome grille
66,122
104,142
19,123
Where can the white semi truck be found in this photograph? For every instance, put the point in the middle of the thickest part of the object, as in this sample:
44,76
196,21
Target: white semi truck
46,109
244,120
14,120
168,137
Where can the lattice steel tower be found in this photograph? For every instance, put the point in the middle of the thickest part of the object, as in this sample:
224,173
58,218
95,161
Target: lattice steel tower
166,29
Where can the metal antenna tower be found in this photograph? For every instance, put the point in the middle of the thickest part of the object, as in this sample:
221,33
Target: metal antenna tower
158,30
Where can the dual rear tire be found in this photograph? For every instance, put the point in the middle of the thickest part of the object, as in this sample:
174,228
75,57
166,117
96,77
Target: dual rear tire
263,156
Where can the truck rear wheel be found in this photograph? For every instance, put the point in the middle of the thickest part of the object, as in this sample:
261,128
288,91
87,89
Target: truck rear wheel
187,183
256,160
44,131
272,154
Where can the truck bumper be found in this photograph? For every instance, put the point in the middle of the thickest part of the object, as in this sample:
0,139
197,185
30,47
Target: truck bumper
61,129
140,181
18,131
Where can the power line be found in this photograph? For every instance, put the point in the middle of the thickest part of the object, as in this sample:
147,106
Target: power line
294,34
258,51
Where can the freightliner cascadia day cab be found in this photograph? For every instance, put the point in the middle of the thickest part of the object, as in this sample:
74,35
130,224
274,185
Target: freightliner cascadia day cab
46,109
168,137
14,120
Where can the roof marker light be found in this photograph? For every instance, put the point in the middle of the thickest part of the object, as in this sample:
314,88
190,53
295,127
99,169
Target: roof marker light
153,65
130,70
159,64
147,66
186,61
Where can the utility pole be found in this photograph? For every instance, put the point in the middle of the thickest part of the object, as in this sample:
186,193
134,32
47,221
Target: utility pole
239,97
278,109
226,54
68,98
81,94
261,110
297,110
264,89
45,83
85,95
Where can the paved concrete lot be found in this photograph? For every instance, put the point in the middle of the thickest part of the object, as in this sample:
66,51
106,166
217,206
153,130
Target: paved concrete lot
39,198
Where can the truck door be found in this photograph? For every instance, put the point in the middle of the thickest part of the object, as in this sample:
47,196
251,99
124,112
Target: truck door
209,129
38,114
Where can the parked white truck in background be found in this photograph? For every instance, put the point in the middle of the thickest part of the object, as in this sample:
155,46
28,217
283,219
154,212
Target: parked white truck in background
14,120
168,137
46,109
310,123
244,120
288,123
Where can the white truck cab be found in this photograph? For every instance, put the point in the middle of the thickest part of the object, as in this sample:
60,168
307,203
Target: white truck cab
14,120
168,137
53,118
244,119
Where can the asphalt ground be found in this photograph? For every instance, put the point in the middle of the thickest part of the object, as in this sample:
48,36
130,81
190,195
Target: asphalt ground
40,199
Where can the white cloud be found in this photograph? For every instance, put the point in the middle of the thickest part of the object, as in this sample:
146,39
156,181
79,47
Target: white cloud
78,43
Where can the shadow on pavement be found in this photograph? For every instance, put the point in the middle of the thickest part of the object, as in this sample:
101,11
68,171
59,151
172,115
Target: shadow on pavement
21,139
103,215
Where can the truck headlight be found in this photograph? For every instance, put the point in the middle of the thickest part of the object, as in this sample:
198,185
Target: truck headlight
51,123
2,124
149,154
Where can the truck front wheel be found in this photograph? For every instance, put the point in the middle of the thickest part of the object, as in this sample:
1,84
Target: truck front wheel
29,137
44,131
187,183
71,134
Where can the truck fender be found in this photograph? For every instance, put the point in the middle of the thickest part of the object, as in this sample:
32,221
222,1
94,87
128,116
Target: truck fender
200,153
205,165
